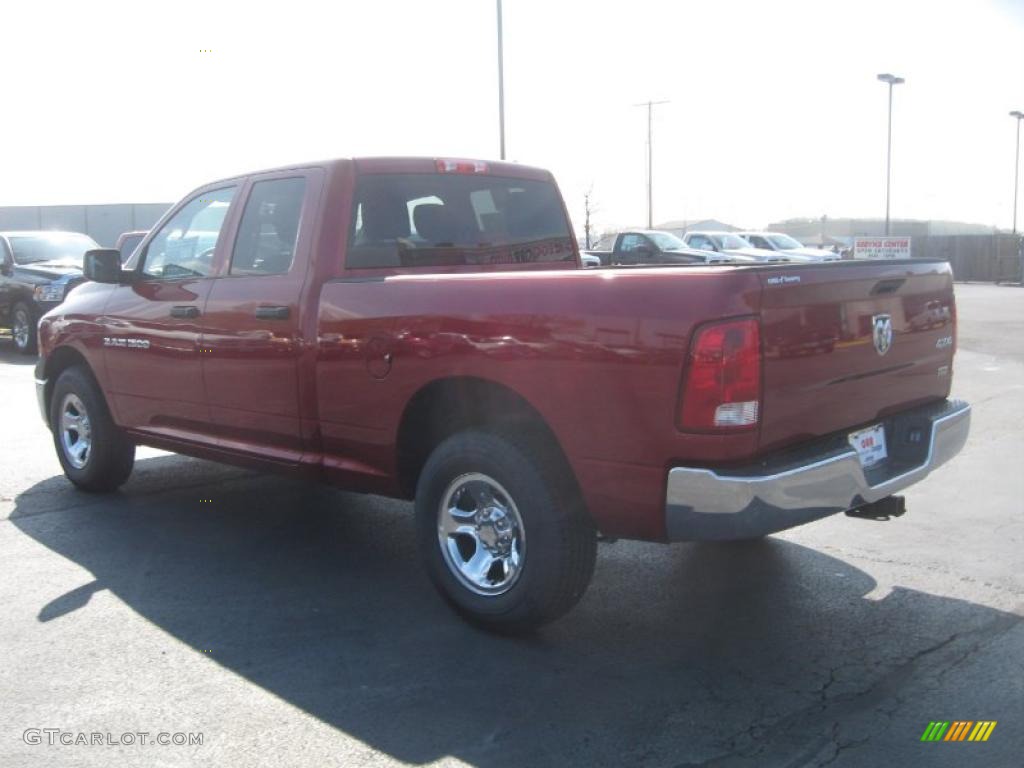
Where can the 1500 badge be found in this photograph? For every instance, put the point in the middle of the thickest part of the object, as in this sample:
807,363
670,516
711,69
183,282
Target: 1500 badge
944,343
110,341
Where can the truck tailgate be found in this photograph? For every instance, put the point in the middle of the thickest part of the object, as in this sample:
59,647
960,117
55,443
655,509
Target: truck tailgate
829,361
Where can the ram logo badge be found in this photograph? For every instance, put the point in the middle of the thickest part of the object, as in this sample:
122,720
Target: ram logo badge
882,333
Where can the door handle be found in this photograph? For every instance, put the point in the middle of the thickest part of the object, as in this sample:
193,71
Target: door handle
272,313
185,311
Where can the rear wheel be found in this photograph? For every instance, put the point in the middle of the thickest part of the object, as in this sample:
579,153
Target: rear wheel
505,542
23,328
93,451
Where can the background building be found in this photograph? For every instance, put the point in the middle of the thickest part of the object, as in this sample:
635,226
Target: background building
103,223
681,227
827,232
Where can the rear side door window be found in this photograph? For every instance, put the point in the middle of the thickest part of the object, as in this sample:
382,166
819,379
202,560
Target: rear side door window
265,244
185,245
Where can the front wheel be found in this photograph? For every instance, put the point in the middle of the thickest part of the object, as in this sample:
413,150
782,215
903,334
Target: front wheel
23,328
502,538
93,451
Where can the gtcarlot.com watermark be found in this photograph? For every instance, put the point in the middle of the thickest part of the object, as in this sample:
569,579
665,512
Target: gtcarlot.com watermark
58,736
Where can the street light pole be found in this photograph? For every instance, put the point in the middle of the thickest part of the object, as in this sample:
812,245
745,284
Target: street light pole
501,84
650,160
891,80
1016,168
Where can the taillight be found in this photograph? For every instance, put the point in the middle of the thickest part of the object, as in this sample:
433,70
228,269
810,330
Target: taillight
461,166
722,384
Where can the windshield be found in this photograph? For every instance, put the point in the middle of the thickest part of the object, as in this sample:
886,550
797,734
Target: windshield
666,241
32,249
731,242
784,242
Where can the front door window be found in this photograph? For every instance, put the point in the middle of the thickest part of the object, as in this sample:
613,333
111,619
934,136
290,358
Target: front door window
185,245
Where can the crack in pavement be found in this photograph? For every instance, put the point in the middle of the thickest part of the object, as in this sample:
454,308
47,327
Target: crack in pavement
830,713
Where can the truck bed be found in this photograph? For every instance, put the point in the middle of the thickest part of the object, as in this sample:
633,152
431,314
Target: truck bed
600,355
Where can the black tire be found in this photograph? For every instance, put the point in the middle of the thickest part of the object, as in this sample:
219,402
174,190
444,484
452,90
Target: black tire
109,455
559,545
23,328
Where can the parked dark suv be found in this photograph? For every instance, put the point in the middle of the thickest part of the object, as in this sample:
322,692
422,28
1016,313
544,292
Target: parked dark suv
37,269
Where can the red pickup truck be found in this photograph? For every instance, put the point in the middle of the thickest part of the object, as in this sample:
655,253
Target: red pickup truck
422,329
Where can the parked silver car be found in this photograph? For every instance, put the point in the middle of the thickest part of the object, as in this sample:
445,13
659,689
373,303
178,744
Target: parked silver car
734,245
783,243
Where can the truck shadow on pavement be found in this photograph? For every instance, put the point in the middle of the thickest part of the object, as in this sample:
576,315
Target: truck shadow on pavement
759,654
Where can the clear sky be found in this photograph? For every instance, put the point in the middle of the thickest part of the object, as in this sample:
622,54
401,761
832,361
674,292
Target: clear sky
774,107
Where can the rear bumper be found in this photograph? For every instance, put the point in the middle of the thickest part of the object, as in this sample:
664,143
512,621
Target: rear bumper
813,481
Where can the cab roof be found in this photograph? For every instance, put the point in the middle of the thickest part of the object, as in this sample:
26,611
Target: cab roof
398,164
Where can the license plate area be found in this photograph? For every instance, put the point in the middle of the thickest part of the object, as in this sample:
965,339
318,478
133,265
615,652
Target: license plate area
870,445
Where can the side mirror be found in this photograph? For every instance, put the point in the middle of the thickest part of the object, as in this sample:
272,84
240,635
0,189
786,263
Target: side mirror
6,268
103,265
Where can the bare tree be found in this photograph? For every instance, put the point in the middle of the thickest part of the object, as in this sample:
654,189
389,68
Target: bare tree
588,211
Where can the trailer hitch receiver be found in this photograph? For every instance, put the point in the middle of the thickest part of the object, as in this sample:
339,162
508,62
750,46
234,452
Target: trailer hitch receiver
881,510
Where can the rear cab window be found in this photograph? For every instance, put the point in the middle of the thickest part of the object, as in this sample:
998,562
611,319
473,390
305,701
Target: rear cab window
449,220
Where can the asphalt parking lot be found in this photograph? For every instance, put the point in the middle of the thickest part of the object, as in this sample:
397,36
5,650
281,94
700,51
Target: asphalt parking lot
290,624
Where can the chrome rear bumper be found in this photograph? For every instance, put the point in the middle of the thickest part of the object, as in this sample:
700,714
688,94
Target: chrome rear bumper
810,483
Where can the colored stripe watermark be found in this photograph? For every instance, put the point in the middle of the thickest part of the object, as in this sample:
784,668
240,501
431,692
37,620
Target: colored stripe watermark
958,730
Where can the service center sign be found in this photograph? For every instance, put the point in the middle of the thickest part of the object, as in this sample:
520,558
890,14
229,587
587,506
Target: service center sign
881,248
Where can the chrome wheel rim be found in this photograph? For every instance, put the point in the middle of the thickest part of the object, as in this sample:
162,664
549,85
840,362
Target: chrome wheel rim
75,431
20,331
482,538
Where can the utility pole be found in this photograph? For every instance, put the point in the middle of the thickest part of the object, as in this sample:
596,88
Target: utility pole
650,159
891,80
501,84
1016,168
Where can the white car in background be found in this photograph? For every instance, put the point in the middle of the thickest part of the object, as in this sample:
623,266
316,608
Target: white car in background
782,243
734,245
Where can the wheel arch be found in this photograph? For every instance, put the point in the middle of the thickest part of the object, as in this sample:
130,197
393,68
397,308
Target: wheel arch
58,361
445,406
